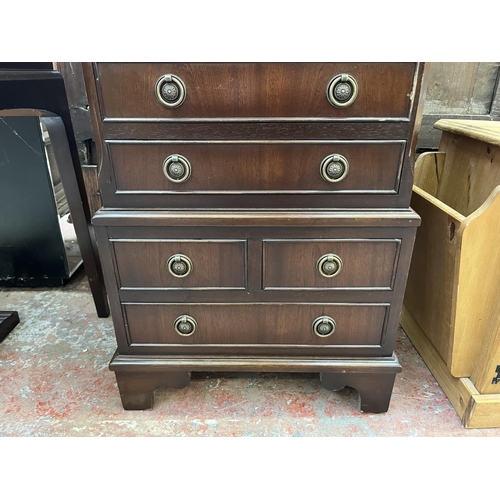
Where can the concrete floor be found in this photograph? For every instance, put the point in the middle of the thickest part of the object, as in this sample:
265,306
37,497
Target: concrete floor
55,382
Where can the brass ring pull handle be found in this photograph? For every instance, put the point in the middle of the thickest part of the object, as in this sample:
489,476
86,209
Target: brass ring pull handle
185,325
177,168
342,90
170,90
324,326
334,168
179,265
329,265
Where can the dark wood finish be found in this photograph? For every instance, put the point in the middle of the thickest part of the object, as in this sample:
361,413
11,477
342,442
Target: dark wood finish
8,321
291,167
238,325
221,90
247,130
383,131
368,264
383,346
337,226
251,201
137,389
192,363
72,73
406,235
360,225
283,225
43,93
374,389
417,111
160,295
254,264
112,285
139,376
254,218
216,264
91,179
255,135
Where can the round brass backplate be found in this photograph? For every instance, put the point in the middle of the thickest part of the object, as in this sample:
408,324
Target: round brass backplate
329,265
185,325
177,168
170,91
179,265
342,90
324,326
334,168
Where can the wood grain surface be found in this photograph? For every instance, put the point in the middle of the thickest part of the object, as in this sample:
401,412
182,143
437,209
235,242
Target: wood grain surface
292,167
366,263
216,264
240,324
221,90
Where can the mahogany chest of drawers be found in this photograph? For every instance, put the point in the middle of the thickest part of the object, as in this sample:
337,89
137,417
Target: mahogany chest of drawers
255,218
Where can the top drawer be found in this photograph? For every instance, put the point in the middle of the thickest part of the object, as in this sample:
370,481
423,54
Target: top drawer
256,90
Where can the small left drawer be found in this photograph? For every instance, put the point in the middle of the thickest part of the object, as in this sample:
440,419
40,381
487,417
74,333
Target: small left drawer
180,264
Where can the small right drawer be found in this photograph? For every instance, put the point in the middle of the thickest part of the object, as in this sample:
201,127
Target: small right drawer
334,263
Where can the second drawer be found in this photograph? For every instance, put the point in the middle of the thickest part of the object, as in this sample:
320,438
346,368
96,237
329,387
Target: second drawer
280,167
269,264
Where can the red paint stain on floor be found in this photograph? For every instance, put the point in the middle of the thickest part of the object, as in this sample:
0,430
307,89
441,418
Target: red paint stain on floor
298,406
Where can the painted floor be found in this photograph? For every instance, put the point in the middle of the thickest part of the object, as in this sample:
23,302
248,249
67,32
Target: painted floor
55,381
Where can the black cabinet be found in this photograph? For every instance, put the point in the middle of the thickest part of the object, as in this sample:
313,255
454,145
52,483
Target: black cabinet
38,245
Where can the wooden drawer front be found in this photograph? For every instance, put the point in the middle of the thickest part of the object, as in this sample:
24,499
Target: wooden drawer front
373,167
240,324
255,90
369,263
216,264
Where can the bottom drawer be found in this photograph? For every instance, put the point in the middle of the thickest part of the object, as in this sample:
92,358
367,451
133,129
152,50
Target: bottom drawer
252,324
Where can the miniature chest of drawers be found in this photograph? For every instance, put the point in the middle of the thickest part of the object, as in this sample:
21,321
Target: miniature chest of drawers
255,218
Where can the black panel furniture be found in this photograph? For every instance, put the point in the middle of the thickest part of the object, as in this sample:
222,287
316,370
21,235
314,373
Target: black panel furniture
35,89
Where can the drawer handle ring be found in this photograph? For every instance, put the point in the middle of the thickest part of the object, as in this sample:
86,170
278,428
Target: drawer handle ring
185,325
170,90
177,168
329,265
334,168
342,90
324,326
179,265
